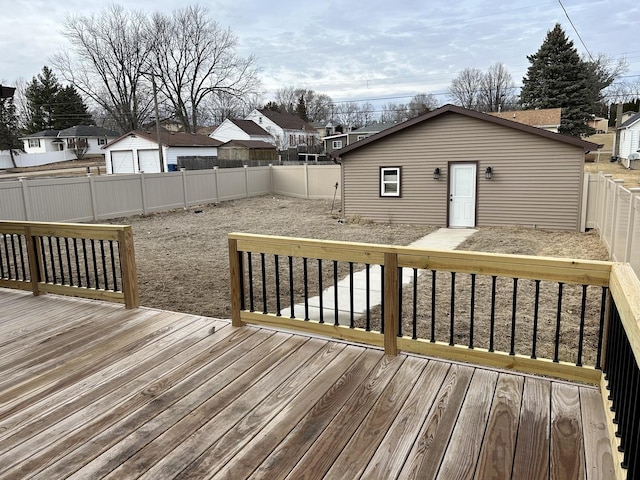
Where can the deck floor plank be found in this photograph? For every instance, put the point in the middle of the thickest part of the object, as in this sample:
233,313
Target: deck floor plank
531,459
92,390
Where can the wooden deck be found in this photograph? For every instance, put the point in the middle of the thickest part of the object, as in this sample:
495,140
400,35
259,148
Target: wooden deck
91,390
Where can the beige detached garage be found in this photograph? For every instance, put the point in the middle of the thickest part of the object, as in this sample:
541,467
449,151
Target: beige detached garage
461,168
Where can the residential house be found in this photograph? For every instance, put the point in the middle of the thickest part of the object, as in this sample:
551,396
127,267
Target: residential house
340,140
545,118
289,131
629,133
462,168
138,151
599,124
233,129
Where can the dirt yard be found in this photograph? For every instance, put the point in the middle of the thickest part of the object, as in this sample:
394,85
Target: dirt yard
183,264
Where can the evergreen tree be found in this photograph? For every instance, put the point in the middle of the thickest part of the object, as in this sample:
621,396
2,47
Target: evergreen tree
558,77
50,106
301,109
9,132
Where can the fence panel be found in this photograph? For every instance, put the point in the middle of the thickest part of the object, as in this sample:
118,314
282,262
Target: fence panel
289,180
117,196
323,181
60,198
259,181
232,183
620,224
164,191
12,205
201,187
593,205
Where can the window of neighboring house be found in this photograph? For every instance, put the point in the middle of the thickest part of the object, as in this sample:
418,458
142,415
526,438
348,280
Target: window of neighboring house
389,181
361,137
34,142
336,144
291,140
102,141
77,143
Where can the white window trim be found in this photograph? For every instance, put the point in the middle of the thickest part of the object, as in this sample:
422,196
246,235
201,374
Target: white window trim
383,183
34,143
102,141
336,144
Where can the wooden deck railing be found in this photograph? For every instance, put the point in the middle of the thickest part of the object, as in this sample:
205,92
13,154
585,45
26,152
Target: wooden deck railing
563,318
91,261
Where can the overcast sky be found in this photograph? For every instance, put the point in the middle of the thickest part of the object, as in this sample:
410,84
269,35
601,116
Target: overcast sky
356,50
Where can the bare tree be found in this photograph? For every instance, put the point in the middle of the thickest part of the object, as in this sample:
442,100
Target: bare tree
109,54
318,105
194,58
352,115
465,88
497,90
421,104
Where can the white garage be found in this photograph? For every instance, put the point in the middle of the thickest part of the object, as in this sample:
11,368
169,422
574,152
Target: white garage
137,151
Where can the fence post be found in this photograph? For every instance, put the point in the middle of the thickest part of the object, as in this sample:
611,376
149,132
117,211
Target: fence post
391,302
306,180
215,173
614,216
235,275
184,187
128,266
25,199
33,254
630,223
246,180
94,202
585,198
143,190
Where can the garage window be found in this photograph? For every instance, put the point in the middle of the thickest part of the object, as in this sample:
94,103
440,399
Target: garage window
390,181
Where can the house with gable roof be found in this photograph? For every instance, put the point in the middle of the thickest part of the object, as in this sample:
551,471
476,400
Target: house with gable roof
545,118
289,131
629,133
234,129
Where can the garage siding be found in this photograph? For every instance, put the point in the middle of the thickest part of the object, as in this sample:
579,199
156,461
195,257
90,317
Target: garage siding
536,181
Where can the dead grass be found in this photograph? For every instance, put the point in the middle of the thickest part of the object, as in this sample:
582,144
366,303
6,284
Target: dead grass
631,177
183,266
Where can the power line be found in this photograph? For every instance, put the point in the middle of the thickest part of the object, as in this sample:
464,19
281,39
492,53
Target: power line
576,30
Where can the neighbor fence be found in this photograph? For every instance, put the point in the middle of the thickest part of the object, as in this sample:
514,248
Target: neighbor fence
564,318
90,261
615,211
95,198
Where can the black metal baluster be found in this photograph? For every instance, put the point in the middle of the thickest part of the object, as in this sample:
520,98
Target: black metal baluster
22,249
320,289
95,264
633,438
291,298
630,400
85,254
433,306
6,251
414,320
60,261
382,299
351,292
2,255
53,261
492,319
399,333
603,303
472,309
608,354
276,260
264,283
452,307
335,292
241,270
104,266
368,298
66,249
582,315
625,390
306,288
514,308
556,347
536,305
44,260
250,272
75,252
115,279
15,257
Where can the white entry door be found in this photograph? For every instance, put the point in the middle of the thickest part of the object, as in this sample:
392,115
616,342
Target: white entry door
122,162
462,195
149,161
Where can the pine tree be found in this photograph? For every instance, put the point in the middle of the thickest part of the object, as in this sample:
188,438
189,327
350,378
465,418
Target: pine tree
9,131
51,106
558,77
301,109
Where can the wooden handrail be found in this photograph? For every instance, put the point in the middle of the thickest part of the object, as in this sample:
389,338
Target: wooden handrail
34,232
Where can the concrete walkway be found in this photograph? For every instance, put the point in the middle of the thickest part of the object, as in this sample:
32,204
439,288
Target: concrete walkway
441,239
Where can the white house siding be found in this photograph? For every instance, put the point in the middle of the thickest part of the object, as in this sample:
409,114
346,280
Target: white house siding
536,181
630,140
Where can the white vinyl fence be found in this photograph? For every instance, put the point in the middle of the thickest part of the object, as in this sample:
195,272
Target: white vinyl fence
615,211
80,199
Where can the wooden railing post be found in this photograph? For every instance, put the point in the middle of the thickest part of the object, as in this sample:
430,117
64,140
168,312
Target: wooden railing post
33,254
235,278
128,266
391,303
